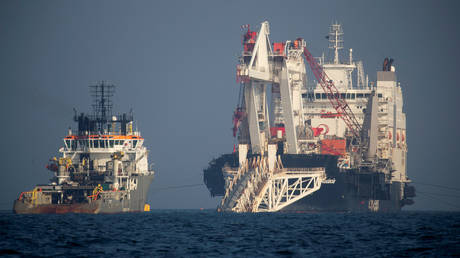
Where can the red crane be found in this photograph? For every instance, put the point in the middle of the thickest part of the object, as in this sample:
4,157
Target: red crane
334,95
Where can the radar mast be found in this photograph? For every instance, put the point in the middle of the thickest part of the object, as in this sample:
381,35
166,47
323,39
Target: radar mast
336,40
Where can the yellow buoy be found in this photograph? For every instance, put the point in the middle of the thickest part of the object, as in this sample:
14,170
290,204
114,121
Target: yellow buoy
146,207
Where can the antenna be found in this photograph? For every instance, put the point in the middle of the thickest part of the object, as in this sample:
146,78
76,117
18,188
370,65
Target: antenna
336,40
102,94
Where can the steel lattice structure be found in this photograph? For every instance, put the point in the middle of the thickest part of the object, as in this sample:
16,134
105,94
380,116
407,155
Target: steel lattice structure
286,188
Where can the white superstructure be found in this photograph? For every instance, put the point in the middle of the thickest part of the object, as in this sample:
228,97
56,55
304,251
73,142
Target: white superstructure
391,118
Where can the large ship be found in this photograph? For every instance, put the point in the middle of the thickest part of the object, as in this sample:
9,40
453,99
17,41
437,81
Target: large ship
337,144
103,167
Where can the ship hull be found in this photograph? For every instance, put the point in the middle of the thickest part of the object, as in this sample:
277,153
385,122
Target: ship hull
355,191
352,190
339,197
135,203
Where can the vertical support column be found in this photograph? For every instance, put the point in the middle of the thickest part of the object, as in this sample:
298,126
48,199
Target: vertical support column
271,157
285,91
254,132
257,115
242,153
369,135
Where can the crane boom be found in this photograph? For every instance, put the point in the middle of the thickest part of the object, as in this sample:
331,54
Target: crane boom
334,96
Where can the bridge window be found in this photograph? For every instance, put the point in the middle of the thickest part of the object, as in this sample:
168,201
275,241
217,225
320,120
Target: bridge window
318,96
102,143
323,96
134,143
111,143
359,95
379,95
96,143
67,144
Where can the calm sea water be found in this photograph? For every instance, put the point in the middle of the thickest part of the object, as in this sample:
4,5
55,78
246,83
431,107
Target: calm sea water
172,233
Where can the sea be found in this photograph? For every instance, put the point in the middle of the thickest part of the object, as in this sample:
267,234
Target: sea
207,233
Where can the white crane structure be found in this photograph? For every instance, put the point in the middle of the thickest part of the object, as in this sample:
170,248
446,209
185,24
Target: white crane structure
285,72
358,127
261,183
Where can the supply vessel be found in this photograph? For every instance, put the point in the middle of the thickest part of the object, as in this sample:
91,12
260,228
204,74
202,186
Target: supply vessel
103,166
335,143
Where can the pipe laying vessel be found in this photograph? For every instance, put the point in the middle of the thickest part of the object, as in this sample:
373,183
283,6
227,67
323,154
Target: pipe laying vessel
336,145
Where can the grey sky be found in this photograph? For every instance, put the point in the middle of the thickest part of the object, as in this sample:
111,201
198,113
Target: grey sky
174,63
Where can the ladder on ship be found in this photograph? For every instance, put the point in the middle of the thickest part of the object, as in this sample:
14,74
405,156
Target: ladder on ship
256,188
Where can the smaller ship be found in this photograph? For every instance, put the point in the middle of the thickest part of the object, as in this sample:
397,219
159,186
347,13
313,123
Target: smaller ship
103,167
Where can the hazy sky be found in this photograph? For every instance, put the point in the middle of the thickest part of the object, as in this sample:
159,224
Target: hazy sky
174,64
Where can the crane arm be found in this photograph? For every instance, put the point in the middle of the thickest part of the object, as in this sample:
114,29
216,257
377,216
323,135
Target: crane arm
336,100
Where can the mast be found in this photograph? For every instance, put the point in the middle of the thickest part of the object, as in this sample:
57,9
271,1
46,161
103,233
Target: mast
336,40
102,94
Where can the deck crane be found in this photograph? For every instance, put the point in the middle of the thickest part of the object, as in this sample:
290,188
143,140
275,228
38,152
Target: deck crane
334,96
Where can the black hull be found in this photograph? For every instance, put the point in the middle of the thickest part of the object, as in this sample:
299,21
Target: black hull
352,190
342,197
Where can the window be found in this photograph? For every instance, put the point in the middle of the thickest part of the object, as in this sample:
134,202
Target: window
348,95
102,143
67,144
111,143
318,96
342,95
323,95
359,95
134,143
96,143
379,95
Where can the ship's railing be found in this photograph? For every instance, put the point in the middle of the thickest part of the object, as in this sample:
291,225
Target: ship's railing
115,133
299,170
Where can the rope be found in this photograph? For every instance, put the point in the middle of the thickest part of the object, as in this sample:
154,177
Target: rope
439,194
439,186
177,187
440,200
